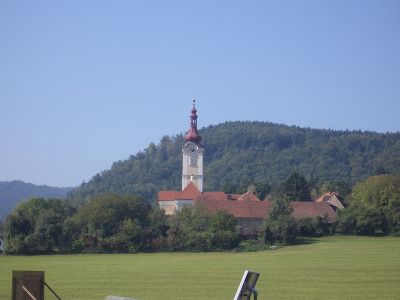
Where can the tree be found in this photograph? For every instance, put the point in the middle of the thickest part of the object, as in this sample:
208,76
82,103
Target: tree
15,230
262,189
158,228
187,230
104,213
112,223
48,231
158,222
35,226
296,188
340,186
317,226
381,194
359,219
71,233
279,225
131,236
223,231
192,229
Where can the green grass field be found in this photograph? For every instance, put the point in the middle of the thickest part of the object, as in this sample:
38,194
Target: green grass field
327,268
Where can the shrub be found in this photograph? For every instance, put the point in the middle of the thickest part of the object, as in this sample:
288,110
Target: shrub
360,219
282,230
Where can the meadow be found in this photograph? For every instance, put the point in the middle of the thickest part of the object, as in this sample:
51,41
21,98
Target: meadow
324,268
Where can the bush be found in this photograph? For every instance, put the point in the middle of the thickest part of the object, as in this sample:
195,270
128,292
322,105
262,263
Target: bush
307,227
280,227
377,204
191,229
223,232
282,230
360,219
314,227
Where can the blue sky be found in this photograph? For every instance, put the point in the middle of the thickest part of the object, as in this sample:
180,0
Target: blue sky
87,83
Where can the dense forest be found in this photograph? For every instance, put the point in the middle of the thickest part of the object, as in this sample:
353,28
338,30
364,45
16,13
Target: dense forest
12,192
239,154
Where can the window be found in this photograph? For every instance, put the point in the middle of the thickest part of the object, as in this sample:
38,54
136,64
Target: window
193,161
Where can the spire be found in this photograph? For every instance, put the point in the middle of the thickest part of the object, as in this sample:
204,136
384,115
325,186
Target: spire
192,135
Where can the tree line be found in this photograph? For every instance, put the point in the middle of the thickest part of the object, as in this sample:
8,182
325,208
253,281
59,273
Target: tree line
111,223
373,207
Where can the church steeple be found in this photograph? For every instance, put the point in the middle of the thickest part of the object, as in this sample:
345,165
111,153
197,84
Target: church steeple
192,169
192,135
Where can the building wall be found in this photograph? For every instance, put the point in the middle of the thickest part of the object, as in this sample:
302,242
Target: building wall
168,206
182,203
249,226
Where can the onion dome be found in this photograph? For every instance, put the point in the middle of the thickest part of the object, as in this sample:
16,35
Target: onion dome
192,135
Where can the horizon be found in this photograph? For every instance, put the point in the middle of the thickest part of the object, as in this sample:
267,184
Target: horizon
203,127
88,84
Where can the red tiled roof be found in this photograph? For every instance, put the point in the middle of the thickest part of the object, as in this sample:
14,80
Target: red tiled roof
304,209
189,193
168,195
251,207
233,196
247,207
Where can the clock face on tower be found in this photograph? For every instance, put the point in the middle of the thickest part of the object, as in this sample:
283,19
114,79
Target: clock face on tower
192,149
192,152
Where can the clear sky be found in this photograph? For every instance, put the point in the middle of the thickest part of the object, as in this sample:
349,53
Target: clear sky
87,83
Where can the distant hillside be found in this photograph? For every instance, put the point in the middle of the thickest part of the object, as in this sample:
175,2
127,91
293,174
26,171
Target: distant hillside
241,153
12,192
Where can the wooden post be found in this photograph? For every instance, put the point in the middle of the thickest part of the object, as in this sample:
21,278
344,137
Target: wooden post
27,285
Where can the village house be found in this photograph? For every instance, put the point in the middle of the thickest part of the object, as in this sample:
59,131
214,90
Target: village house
246,208
333,199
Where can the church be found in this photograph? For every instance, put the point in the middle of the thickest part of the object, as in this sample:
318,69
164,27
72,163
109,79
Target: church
248,210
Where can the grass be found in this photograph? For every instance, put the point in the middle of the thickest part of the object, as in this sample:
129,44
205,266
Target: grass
327,268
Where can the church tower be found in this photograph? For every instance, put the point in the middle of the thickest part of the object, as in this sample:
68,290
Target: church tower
192,170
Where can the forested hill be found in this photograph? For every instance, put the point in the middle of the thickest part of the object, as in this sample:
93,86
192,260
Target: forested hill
241,153
11,192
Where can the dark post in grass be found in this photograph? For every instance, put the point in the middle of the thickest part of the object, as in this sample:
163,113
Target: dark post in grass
29,285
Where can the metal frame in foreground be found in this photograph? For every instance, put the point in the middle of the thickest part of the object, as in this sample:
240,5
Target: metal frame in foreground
247,286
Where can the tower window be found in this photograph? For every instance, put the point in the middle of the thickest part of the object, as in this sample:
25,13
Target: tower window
193,161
